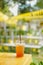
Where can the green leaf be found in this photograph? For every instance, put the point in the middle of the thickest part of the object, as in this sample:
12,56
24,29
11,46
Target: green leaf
32,63
41,63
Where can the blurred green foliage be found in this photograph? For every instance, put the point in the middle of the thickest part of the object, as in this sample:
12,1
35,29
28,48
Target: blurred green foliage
4,7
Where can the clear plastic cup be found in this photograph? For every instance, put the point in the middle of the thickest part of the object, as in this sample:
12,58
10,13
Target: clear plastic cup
19,49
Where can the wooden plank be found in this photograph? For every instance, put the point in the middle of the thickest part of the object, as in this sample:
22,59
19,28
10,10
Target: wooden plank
11,59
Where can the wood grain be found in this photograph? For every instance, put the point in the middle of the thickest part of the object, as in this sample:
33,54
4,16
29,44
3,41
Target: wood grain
11,59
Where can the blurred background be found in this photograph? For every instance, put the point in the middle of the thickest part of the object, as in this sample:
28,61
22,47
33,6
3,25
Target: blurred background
15,7
30,31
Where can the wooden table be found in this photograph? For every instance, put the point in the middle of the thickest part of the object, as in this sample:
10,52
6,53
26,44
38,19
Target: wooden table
11,59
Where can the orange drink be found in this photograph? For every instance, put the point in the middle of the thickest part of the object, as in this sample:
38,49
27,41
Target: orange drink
19,50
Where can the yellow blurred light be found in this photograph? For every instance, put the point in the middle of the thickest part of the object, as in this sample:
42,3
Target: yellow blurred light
30,40
0,47
27,16
3,17
24,27
34,49
36,41
6,48
29,34
10,41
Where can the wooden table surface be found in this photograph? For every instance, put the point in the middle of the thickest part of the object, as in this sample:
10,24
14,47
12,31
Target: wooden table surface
11,59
